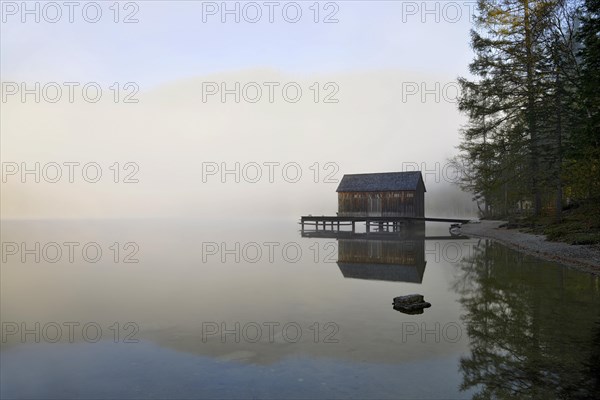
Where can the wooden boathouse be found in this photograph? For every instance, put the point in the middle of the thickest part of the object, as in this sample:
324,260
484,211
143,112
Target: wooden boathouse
391,194
387,200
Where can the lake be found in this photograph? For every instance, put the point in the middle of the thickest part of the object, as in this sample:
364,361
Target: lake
251,309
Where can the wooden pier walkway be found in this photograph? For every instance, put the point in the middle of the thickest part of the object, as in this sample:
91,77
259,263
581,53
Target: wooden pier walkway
383,236
383,222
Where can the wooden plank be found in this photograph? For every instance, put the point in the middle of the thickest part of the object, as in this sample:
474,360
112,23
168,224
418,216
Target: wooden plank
332,218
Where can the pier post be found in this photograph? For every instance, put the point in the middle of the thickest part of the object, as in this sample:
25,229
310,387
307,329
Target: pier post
368,226
353,226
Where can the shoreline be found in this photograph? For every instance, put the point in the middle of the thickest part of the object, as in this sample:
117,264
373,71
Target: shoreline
584,258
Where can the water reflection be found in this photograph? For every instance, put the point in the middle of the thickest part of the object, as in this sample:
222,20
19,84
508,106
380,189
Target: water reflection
526,326
385,255
385,260
534,327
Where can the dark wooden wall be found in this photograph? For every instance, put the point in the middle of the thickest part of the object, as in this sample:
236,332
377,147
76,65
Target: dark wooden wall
407,203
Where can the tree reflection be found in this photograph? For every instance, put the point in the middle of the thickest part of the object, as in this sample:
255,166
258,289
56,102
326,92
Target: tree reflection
533,326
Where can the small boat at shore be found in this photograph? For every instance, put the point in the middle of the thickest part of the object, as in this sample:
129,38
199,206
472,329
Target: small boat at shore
455,229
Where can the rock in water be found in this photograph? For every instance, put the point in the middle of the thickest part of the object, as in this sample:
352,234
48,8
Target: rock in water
410,304
409,312
414,306
409,299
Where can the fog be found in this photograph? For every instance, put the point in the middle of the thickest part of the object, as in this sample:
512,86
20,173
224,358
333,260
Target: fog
184,150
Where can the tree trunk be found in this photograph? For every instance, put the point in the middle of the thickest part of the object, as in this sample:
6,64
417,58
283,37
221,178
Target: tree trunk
559,111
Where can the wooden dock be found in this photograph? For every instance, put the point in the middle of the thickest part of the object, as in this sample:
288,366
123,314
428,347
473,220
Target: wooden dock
383,236
393,224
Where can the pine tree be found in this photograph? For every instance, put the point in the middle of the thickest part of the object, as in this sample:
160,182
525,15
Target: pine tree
502,144
583,151
564,74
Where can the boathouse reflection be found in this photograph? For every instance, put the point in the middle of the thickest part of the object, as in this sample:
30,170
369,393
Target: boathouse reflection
389,254
385,260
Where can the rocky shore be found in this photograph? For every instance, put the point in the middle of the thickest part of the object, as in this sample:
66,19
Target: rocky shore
582,257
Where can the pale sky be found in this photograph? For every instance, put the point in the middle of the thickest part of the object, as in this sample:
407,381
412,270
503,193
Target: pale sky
172,42
370,58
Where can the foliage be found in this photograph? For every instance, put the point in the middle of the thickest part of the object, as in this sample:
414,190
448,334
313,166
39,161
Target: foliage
532,141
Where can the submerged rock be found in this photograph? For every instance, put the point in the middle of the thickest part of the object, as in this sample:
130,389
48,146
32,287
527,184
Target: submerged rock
410,304
409,312
408,299
415,306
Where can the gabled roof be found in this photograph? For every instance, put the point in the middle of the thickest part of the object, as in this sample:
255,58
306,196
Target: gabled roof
382,182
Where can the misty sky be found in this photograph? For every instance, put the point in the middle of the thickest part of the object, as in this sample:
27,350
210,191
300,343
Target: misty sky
370,55
172,42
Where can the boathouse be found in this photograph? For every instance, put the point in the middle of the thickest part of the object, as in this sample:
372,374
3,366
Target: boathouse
390,194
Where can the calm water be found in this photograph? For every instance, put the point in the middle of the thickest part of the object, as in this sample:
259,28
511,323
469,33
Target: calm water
254,310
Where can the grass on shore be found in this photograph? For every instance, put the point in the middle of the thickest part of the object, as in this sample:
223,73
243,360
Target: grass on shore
579,225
